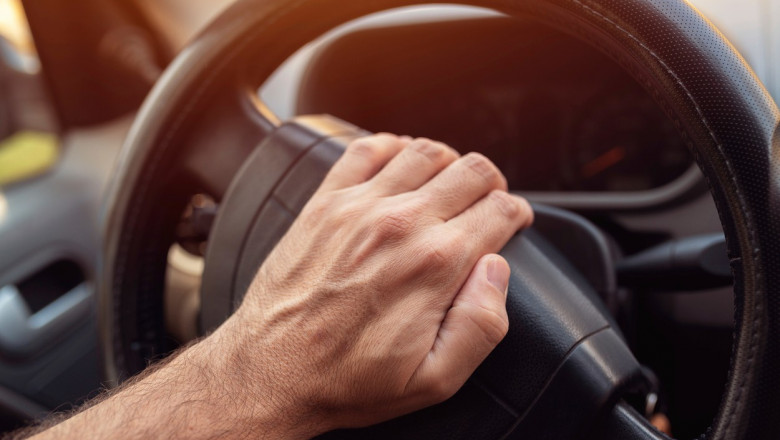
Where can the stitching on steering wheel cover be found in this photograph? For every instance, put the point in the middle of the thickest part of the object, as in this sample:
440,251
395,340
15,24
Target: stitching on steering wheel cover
755,323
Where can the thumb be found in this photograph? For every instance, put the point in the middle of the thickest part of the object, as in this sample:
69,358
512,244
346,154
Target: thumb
471,329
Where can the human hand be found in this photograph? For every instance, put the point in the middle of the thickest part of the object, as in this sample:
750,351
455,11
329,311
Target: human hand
383,297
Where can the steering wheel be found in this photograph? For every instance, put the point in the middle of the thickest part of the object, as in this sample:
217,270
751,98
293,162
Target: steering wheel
563,370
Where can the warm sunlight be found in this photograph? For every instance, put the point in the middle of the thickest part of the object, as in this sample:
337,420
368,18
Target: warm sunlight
13,26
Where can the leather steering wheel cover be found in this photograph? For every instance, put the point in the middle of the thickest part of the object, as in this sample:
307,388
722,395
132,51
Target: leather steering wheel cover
706,88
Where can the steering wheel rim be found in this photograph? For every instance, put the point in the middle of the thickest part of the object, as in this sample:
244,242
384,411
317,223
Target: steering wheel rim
711,95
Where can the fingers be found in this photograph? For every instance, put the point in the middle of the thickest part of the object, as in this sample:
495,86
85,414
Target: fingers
492,221
397,165
414,166
462,183
473,326
477,320
362,159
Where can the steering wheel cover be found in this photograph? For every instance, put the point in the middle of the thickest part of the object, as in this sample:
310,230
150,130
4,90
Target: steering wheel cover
706,88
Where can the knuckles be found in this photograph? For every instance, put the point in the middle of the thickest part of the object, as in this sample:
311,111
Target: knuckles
394,223
375,217
483,167
370,147
363,147
441,252
507,204
434,151
512,207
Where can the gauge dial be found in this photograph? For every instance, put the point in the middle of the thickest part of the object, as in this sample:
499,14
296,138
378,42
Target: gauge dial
624,143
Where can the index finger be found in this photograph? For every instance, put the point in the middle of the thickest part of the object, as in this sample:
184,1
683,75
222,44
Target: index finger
363,159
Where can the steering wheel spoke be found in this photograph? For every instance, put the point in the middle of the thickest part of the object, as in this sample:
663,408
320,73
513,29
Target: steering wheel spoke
223,138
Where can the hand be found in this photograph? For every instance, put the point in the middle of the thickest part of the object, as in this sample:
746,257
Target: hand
383,297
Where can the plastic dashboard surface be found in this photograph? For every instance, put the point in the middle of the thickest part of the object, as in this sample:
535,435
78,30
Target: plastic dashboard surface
555,114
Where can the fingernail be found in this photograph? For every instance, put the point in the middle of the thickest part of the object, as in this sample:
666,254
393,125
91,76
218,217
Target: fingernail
498,274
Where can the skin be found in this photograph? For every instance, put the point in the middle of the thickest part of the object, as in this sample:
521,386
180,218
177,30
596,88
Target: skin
382,299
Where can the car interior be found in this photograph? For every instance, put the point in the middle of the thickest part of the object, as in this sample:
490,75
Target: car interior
621,203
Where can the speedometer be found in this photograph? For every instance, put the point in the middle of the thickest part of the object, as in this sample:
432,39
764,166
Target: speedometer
623,142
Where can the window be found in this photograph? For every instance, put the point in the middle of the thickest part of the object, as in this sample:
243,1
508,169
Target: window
29,145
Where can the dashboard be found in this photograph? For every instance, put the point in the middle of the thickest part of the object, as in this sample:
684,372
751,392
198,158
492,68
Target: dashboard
554,113
625,154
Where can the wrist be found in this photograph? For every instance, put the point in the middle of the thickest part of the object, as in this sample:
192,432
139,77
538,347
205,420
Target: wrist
256,391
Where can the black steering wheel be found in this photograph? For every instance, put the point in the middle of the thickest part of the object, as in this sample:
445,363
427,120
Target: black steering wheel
563,370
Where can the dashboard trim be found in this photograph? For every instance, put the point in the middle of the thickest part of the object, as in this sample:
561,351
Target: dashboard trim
691,182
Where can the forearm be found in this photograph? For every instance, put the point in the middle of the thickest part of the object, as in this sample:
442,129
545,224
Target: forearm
196,395
383,298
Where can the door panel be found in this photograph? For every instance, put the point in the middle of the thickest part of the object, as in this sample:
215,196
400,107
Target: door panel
49,245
